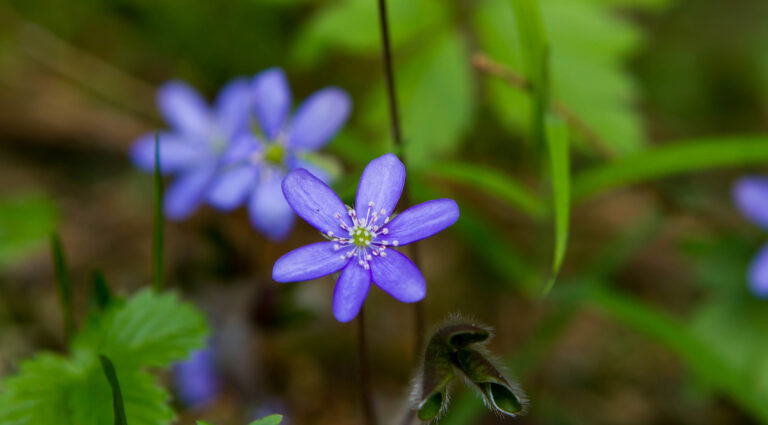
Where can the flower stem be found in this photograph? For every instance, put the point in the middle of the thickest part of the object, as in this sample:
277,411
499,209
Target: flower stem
365,383
394,119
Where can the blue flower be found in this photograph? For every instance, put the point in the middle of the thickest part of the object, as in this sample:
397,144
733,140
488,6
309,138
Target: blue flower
196,380
255,165
361,240
751,197
198,136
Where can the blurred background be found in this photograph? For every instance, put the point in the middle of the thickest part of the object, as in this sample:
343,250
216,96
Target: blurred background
651,322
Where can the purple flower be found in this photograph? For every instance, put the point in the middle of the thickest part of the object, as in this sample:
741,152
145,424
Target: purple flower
751,197
197,380
198,136
255,165
361,240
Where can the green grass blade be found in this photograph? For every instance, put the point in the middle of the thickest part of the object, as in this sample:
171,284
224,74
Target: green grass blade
557,142
117,396
101,295
494,183
157,231
671,159
63,285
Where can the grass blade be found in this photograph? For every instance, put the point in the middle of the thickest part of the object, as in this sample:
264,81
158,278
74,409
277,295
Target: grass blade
157,231
117,396
671,159
63,285
557,142
494,183
101,296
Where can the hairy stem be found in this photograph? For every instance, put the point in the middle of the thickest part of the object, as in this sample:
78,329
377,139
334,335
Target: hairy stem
365,383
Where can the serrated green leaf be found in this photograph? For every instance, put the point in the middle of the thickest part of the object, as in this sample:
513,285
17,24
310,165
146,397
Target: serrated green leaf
588,45
434,87
26,220
149,330
673,158
557,142
38,393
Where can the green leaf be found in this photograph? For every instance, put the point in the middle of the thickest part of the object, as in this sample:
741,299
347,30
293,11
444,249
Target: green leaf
557,141
63,285
352,26
26,221
101,295
434,87
494,183
117,396
38,393
671,159
149,330
157,231
269,420
588,47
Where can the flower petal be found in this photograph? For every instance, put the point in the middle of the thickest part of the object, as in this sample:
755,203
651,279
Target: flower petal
184,109
314,169
422,221
271,99
197,381
176,153
269,212
758,273
350,292
230,188
241,149
308,262
188,191
382,183
319,118
233,107
315,202
751,197
398,276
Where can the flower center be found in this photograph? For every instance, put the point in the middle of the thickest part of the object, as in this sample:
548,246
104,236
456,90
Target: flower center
274,153
362,240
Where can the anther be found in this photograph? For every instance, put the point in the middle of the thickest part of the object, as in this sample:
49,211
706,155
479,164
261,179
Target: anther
384,231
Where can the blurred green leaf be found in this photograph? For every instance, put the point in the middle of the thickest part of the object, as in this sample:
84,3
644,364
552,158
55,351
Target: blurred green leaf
63,285
352,26
670,159
492,182
434,86
588,45
268,420
26,221
559,154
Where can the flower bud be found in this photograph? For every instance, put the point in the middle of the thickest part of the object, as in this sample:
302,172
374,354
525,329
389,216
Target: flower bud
498,393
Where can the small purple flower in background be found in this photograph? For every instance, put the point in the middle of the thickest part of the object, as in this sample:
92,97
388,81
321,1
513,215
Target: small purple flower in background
751,196
197,380
198,136
255,165
361,240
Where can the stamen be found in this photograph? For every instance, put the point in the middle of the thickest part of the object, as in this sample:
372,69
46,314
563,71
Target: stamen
384,231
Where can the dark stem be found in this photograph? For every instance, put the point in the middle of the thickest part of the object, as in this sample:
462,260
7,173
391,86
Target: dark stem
394,119
365,383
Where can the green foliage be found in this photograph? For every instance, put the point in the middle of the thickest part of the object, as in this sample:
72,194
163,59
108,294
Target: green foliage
63,284
268,420
559,154
588,45
148,330
671,159
26,221
117,397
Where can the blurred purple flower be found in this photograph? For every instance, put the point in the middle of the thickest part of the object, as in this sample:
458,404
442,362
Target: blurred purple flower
197,380
360,239
255,165
198,136
751,197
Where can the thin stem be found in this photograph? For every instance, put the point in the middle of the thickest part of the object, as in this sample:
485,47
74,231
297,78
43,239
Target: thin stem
365,383
157,231
394,119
